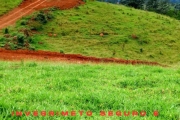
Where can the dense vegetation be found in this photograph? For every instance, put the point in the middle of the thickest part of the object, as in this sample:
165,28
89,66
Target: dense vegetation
30,86
6,5
166,7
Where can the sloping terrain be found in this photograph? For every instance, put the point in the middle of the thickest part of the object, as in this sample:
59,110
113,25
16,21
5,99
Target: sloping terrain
106,30
99,30
29,6
9,55
6,5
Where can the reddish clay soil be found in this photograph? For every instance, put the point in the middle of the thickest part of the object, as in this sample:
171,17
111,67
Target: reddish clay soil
29,6
15,55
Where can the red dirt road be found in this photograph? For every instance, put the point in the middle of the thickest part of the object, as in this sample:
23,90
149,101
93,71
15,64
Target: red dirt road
29,6
17,55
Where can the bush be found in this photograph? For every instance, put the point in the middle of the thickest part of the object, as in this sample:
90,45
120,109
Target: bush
41,18
24,22
6,31
20,39
2,39
61,51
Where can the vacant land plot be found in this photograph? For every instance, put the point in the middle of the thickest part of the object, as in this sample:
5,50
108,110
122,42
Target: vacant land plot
29,86
103,30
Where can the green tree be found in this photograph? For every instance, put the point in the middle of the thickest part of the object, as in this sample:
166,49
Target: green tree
159,6
133,3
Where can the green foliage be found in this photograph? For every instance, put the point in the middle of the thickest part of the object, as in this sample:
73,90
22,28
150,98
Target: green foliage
21,39
6,31
159,6
6,5
76,32
61,51
133,3
35,26
12,46
2,41
31,47
30,40
16,41
23,22
66,87
32,64
41,18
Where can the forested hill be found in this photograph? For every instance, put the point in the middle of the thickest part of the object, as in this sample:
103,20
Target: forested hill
166,7
115,1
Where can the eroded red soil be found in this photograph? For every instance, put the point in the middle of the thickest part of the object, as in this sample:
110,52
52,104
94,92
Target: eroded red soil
29,6
14,55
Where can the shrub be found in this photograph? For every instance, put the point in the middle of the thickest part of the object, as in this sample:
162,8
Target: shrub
6,31
61,51
2,39
41,18
24,22
20,39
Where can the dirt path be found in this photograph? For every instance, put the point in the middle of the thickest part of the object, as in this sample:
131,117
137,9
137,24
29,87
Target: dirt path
17,55
29,6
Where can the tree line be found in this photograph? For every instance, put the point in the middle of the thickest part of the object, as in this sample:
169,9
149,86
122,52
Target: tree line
166,7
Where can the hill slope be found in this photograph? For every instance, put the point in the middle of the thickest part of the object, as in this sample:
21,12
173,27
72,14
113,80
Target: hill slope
128,33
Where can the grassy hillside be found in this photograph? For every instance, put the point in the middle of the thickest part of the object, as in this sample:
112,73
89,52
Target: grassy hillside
128,33
30,86
6,5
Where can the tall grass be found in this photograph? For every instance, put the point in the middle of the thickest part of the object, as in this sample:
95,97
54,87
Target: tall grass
30,86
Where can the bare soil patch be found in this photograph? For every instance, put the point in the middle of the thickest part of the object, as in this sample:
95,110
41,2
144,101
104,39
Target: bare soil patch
16,55
29,6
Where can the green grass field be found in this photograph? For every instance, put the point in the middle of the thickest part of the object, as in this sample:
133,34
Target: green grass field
78,31
6,5
29,86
